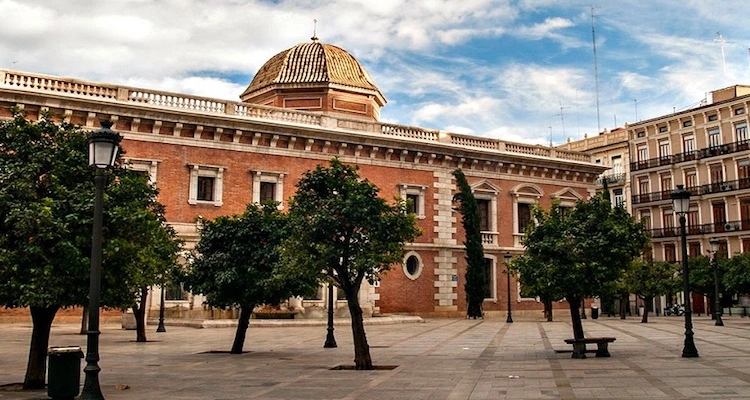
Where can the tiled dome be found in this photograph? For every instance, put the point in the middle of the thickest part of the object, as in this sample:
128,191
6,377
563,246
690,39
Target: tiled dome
312,65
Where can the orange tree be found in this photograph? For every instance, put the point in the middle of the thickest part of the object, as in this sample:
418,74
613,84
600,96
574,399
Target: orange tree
583,250
343,231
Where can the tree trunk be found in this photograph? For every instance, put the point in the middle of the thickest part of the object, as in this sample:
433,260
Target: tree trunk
139,312
41,318
579,349
548,310
362,358
623,305
647,301
85,320
242,324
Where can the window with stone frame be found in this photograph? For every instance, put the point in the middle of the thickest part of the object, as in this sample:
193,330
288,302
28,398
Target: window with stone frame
205,188
688,143
415,197
146,166
691,178
645,216
490,271
412,265
714,137
740,131
206,184
268,186
670,253
666,182
664,149
642,153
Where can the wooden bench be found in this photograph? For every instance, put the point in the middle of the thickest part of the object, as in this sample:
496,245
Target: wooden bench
579,346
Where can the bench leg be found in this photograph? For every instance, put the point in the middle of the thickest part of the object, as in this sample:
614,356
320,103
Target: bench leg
601,349
579,350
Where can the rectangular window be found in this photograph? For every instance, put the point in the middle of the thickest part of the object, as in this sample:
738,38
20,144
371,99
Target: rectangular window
415,197
691,179
714,138
664,149
206,184
619,197
740,131
642,153
687,123
484,215
694,249
617,166
205,188
412,202
688,143
667,219
646,218
670,255
713,117
692,220
524,216
489,282
666,183
267,191
643,186
717,173
662,129
739,111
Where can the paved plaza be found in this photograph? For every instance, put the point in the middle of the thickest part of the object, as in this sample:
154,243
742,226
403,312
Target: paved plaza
437,359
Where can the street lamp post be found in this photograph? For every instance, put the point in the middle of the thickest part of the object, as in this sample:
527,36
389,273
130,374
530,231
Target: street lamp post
715,264
161,327
507,257
681,205
103,148
330,339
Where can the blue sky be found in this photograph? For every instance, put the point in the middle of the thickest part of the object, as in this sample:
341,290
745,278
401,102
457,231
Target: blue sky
518,70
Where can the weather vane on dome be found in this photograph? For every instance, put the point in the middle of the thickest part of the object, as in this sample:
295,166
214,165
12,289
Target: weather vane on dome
314,37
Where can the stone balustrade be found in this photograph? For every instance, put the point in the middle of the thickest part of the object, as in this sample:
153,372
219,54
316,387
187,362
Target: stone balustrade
166,100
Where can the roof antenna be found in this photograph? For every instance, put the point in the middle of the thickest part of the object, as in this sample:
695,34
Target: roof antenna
314,37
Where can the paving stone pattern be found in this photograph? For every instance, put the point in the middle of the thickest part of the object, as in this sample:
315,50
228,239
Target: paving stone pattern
446,359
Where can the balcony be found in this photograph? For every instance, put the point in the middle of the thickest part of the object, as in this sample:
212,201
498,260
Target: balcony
708,152
695,191
704,229
612,179
489,238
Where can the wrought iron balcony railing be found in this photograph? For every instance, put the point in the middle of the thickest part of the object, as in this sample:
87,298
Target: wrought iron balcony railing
716,187
703,229
708,152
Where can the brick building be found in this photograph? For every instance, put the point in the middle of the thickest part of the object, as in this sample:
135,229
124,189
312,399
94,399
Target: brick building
306,105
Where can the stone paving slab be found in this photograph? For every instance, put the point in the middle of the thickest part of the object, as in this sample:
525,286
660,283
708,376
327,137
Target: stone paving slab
443,359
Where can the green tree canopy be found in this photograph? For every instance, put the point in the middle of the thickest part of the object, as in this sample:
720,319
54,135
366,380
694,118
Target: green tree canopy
734,273
584,250
346,232
46,202
476,281
236,263
649,279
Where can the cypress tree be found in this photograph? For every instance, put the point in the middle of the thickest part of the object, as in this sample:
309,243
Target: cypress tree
476,281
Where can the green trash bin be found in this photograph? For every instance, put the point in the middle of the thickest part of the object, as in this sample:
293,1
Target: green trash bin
64,372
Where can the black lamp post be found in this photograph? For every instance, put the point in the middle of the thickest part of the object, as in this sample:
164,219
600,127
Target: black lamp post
715,264
103,149
507,257
330,339
161,327
681,204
